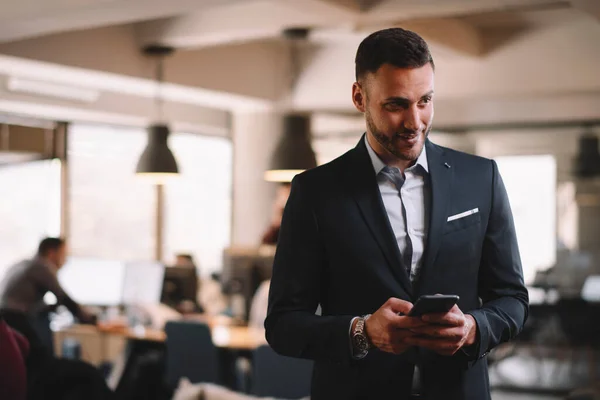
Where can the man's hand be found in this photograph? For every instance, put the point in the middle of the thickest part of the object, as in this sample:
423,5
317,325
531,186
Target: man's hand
445,333
388,331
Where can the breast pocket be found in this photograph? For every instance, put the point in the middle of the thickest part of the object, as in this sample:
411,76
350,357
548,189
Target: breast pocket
462,222
461,242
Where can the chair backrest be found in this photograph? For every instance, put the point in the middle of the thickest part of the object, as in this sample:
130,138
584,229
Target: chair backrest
280,376
579,320
190,353
41,324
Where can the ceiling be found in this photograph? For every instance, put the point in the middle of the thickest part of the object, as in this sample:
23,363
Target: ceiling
195,23
232,55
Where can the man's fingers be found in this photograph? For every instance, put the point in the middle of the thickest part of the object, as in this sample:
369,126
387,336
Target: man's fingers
399,306
439,332
402,322
437,345
449,318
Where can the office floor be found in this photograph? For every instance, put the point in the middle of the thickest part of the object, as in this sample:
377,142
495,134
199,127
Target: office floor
513,396
548,373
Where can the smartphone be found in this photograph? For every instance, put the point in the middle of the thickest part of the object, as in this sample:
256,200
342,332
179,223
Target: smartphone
439,303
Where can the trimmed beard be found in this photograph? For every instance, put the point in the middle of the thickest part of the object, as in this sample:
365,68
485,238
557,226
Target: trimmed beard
387,143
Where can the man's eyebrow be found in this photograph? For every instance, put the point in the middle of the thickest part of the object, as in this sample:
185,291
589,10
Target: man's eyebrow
428,94
404,100
397,99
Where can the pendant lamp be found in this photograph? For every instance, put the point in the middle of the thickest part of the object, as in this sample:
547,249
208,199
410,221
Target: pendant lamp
294,153
157,161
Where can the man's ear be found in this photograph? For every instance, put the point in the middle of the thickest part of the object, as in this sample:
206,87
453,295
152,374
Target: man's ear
358,97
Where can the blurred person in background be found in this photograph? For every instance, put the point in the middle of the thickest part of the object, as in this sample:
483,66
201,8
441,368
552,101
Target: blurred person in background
271,235
23,288
21,297
183,297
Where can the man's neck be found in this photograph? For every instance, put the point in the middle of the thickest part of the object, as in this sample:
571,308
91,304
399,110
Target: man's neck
48,262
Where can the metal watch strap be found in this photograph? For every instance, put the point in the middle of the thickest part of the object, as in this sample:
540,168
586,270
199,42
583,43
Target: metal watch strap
360,339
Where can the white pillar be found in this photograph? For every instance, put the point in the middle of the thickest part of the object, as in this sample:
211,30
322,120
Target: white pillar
255,136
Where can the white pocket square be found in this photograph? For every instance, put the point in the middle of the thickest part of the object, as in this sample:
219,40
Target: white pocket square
462,214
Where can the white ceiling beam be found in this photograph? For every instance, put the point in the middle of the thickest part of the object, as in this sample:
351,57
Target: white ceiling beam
356,5
118,109
30,18
398,10
591,7
126,85
242,22
449,35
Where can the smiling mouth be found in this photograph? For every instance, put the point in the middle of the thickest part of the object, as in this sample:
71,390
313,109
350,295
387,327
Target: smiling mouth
407,136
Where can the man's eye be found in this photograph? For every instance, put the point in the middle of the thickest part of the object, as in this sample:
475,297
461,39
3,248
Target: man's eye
393,107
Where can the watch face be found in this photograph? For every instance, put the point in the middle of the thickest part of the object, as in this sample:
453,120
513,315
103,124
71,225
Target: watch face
361,343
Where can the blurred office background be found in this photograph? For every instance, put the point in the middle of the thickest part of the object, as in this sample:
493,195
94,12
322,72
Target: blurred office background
87,86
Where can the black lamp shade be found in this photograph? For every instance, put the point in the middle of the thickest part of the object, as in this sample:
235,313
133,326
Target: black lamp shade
157,160
294,152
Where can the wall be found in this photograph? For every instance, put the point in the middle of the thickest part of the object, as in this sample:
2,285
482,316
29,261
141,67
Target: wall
254,138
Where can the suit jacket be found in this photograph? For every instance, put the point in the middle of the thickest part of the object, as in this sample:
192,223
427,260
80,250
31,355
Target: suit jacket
337,249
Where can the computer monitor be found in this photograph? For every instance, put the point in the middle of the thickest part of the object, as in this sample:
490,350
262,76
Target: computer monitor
143,282
591,289
93,281
179,284
244,269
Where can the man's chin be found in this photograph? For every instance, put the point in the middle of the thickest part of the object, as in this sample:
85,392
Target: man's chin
409,154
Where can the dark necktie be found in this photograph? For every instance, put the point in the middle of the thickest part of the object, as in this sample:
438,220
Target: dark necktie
395,176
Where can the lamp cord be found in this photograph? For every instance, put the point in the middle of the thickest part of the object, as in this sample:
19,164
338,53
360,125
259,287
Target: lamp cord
159,102
294,60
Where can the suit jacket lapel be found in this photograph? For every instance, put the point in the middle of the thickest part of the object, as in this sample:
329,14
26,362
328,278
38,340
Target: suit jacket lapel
441,175
363,185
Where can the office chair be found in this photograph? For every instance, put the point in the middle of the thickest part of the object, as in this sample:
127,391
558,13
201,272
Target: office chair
580,322
41,324
190,353
279,376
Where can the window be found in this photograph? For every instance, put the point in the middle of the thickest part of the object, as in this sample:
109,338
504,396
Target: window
198,202
30,209
112,212
531,185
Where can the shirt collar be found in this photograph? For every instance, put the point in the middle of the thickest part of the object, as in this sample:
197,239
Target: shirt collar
378,165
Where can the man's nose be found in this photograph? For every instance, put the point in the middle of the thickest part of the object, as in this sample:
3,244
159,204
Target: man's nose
412,120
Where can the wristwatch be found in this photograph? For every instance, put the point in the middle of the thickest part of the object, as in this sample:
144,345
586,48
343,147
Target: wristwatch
360,341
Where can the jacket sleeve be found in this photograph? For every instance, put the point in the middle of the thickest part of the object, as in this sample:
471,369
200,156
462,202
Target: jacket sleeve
505,300
299,270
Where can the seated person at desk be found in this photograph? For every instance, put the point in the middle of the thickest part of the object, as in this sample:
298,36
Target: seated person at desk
271,235
181,286
25,284
21,296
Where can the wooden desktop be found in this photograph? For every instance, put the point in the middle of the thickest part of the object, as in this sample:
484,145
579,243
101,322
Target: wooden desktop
106,341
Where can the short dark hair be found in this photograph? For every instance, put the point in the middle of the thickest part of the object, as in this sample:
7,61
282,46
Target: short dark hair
50,243
395,46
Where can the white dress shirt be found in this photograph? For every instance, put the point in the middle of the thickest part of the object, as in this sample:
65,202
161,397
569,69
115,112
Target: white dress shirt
415,196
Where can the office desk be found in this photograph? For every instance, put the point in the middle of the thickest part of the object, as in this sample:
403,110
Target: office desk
105,342
224,336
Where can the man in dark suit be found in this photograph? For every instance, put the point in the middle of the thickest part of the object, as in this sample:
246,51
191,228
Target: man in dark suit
392,219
